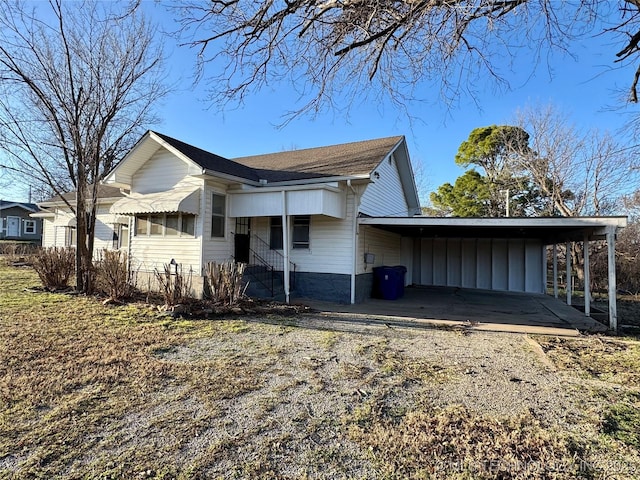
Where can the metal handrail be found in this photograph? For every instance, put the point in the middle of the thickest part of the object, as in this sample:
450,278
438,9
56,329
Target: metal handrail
276,254
272,261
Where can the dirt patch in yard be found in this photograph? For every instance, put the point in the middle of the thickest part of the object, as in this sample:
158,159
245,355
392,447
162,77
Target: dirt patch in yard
95,391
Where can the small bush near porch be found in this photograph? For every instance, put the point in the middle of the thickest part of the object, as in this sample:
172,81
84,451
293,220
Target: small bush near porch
95,391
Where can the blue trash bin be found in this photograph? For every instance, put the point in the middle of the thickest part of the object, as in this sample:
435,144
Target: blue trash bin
401,271
388,282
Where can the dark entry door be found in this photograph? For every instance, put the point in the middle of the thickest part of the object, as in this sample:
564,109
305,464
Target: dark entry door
242,239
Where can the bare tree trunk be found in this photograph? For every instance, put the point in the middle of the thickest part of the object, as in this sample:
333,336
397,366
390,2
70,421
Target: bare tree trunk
76,91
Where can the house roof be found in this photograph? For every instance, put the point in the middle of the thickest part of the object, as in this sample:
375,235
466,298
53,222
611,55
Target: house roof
104,191
210,161
347,159
31,207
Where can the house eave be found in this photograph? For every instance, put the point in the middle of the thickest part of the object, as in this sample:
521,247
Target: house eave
547,229
364,178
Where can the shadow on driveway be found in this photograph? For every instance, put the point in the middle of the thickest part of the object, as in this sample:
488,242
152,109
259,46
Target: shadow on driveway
476,309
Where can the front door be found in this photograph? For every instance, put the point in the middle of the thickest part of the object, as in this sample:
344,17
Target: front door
13,226
242,239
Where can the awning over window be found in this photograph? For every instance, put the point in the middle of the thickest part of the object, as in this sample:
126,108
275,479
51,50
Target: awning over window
171,201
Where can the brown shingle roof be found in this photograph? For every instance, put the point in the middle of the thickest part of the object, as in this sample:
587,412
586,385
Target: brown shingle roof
104,191
357,158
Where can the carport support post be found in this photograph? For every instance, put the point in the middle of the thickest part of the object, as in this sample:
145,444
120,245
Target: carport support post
568,281
587,279
611,263
555,270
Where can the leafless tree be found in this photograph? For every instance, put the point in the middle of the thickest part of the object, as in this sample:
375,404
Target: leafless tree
406,48
78,81
579,173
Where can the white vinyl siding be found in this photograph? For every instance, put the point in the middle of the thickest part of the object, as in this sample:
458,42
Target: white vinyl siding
152,252
385,196
386,246
216,249
330,242
104,230
56,231
48,233
494,264
163,171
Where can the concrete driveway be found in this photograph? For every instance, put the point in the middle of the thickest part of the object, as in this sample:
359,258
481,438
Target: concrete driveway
473,309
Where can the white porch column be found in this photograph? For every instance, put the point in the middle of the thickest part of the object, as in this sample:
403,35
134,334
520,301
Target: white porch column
611,262
587,279
568,282
555,270
285,246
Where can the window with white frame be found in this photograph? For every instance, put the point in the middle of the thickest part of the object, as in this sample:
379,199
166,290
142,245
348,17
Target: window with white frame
300,233
168,225
71,239
275,233
300,237
30,227
120,236
218,215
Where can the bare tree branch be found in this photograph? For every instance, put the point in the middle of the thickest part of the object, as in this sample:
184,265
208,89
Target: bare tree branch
355,48
74,96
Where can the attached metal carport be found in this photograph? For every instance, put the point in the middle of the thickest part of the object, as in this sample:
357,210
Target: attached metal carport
502,254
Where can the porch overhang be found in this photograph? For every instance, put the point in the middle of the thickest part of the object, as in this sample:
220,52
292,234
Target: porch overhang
43,214
323,200
549,230
179,200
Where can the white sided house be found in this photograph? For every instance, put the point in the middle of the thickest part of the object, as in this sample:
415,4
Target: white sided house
315,222
59,221
291,216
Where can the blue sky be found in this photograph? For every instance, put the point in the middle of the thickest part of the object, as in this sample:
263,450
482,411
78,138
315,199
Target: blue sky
583,87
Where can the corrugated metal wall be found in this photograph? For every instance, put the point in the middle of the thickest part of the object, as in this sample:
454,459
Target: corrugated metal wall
514,265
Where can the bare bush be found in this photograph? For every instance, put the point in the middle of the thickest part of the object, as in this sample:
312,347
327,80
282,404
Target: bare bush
175,286
224,283
55,266
113,275
17,252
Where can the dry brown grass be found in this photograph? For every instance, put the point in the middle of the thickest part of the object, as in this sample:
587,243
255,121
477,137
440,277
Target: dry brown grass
94,391
443,443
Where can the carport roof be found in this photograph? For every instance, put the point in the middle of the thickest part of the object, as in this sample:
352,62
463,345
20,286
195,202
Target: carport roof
548,229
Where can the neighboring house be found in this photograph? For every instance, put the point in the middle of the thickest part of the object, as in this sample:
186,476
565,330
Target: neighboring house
16,223
322,218
59,223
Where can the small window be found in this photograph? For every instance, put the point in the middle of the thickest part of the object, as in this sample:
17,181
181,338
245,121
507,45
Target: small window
301,231
124,236
30,227
115,238
155,224
218,212
71,240
142,224
189,224
172,225
120,238
275,238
